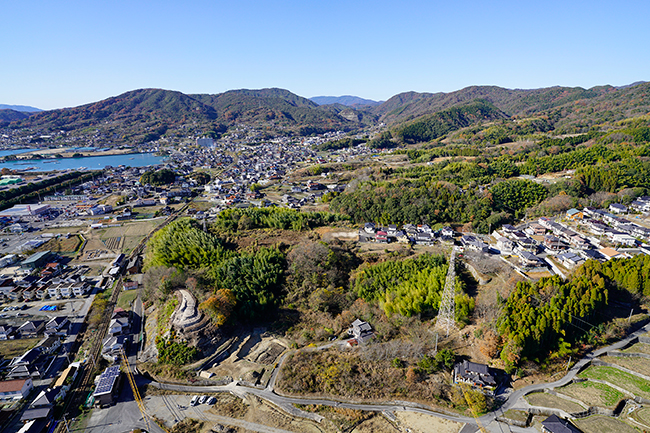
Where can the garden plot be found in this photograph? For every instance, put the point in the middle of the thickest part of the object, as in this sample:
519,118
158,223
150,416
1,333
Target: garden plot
635,385
593,394
544,399
603,424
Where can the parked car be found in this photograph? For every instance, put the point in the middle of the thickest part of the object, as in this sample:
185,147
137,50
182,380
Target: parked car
203,399
194,401
212,400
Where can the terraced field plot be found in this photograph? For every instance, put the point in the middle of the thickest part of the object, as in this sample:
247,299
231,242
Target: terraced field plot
603,424
638,348
544,399
593,394
640,365
629,382
643,416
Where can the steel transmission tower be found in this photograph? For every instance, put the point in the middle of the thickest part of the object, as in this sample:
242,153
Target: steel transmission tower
447,312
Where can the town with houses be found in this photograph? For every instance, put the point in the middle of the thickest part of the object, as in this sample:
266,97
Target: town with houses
37,285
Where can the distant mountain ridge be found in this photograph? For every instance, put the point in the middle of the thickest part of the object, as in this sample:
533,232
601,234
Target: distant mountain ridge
144,115
347,100
21,108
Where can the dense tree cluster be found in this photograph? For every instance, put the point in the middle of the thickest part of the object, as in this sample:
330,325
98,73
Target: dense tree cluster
278,218
414,202
410,287
429,128
247,284
540,316
158,177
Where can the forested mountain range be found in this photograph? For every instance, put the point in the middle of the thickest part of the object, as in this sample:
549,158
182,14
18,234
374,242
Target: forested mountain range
146,114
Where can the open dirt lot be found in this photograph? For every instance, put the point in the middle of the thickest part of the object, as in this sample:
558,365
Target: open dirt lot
421,423
251,358
552,401
603,424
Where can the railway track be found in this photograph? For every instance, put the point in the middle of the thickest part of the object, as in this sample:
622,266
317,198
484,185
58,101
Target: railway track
82,390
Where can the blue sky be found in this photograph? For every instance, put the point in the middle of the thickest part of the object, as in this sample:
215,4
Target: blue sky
67,53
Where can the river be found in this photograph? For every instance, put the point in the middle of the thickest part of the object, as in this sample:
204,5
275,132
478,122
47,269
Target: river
85,162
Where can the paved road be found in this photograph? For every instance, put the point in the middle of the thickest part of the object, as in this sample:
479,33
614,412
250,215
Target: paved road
488,421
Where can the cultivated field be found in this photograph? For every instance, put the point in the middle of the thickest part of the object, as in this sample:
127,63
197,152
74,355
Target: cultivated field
603,424
544,399
631,383
593,394
127,236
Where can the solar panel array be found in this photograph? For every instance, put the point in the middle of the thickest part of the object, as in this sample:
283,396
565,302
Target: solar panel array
107,380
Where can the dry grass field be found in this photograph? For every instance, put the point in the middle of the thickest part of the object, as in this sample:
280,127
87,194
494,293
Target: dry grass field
593,394
603,424
640,365
13,348
544,399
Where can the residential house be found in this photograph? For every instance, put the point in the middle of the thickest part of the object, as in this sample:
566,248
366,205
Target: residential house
112,347
107,386
31,329
570,260
130,285
505,245
424,239
16,389
447,231
575,214
474,243
361,331
554,243
535,229
617,208
7,332
50,344
609,253
477,375
80,289
381,236
118,326
56,326
529,259
624,239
